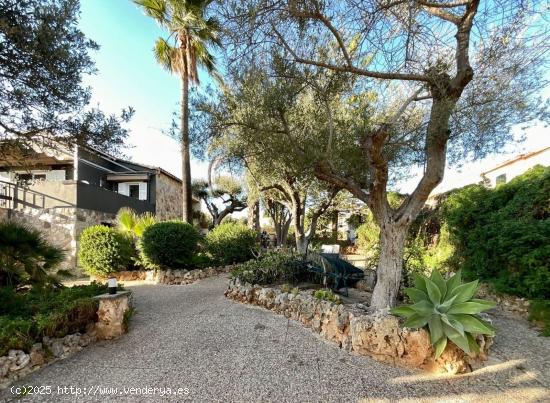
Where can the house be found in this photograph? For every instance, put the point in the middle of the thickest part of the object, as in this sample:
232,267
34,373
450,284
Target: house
63,190
508,170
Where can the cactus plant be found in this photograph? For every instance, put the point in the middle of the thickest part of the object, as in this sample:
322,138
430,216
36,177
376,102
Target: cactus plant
447,309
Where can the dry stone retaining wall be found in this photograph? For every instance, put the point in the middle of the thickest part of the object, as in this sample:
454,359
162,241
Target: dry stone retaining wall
168,277
376,334
17,363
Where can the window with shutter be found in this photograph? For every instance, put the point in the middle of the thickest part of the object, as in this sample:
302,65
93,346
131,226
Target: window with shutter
143,191
123,189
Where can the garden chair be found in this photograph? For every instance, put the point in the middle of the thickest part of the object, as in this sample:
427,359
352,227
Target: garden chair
331,265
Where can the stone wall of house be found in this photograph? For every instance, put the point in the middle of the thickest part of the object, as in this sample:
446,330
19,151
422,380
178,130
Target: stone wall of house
60,226
376,334
168,198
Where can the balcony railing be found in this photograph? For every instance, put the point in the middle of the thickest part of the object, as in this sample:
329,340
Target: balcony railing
15,196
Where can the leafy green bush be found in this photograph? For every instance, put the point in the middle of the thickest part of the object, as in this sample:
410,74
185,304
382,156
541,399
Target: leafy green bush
169,244
104,250
231,242
272,268
44,311
539,312
327,295
368,235
25,256
447,309
502,235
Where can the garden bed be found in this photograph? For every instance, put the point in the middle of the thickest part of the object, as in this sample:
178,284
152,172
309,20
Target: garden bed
167,276
376,334
43,324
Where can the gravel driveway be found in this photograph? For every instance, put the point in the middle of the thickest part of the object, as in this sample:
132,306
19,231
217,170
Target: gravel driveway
191,337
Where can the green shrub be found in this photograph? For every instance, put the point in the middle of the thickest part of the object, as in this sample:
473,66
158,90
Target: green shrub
327,295
502,235
231,243
45,311
539,312
368,235
25,256
272,268
104,250
447,309
169,244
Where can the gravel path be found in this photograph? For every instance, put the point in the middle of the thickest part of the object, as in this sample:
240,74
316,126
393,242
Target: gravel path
191,337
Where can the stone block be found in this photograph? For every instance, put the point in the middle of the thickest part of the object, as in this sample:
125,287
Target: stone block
112,308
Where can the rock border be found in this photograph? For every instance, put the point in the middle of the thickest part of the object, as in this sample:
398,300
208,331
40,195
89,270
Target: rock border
168,276
376,334
18,364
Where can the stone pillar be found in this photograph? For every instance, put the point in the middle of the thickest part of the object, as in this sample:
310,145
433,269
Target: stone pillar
112,307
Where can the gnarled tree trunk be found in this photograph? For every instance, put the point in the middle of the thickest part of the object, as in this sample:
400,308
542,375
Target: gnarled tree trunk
390,264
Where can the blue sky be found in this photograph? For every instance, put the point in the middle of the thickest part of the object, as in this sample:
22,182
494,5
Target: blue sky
128,75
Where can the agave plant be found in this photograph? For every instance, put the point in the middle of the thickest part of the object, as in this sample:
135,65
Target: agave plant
448,309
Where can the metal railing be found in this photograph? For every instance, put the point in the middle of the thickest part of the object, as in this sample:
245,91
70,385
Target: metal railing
14,196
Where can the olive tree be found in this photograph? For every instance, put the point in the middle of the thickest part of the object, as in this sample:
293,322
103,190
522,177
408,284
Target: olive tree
451,78
269,116
222,194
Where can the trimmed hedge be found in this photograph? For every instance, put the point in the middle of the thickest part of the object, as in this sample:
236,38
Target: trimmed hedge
170,244
103,250
231,243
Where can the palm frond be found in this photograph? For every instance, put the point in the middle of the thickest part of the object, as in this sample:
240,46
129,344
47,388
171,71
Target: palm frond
166,55
193,33
156,9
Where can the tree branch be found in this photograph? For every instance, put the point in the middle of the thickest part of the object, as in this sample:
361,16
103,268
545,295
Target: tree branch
350,69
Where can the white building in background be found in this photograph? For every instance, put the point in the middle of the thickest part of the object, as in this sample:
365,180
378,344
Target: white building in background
508,170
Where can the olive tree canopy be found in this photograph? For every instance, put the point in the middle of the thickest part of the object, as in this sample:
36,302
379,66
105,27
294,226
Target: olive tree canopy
450,77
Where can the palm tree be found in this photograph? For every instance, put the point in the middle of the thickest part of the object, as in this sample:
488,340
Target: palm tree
182,52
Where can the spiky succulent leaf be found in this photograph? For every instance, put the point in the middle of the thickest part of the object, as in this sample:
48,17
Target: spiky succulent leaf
472,343
473,324
445,306
416,295
416,321
404,311
423,307
420,282
464,292
453,283
436,328
459,339
438,279
471,307
440,347
453,323
433,292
